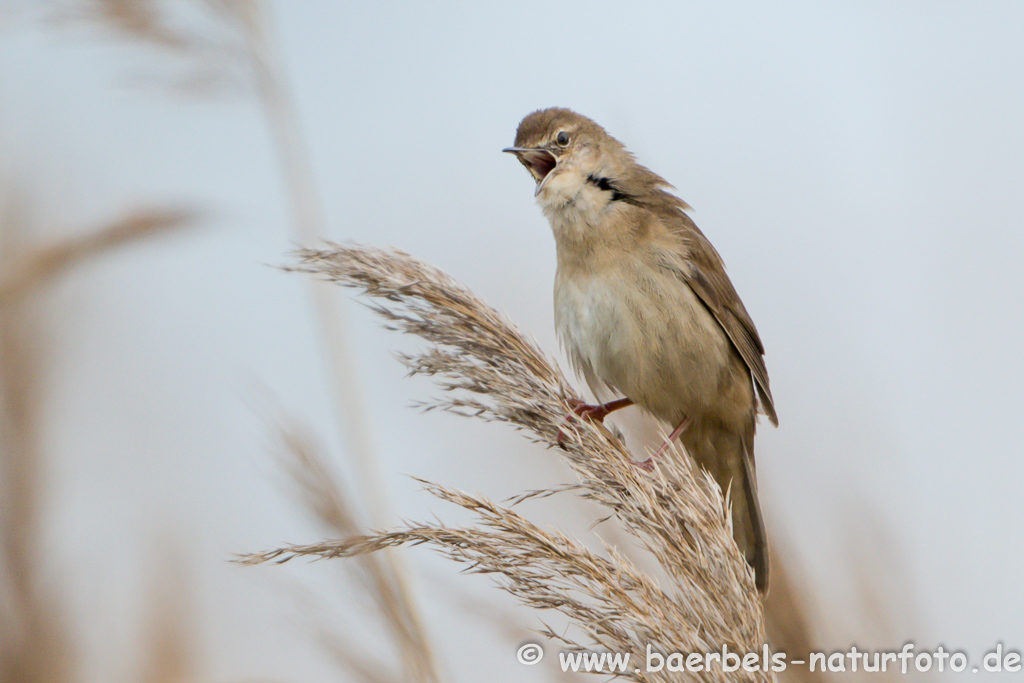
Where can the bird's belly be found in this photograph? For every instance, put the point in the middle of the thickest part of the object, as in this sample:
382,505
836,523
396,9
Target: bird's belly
655,343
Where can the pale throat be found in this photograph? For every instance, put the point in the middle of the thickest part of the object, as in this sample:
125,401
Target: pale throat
569,194
580,216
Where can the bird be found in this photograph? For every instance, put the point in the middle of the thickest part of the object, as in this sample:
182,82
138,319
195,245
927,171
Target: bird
644,308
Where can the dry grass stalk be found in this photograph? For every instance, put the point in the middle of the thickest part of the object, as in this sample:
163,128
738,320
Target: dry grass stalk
389,576
35,644
492,371
45,264
171,643
201,38
308,228
790,624
321,493
878,619
510,625
236,36
235,40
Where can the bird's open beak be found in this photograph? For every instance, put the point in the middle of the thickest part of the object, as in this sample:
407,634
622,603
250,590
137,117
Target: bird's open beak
539,162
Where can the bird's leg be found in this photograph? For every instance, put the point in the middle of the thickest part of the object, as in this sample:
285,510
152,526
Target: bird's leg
648,464
600,411
589,411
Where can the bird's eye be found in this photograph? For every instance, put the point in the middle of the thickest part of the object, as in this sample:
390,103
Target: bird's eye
562,139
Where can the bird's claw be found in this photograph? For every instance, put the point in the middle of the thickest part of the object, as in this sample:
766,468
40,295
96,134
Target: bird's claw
581,410
590,411
647,465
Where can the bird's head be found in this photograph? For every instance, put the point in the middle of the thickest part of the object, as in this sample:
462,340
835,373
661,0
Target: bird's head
589,185
561,148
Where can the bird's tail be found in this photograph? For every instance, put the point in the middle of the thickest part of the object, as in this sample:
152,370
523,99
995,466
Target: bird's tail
729,457
757,547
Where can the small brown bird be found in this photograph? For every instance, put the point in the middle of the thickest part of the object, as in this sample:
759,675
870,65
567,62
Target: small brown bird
644,307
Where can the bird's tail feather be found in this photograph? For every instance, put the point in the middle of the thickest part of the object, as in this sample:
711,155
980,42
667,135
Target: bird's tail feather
757,552
729,458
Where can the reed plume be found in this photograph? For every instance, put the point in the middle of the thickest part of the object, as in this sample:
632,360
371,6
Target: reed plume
492,371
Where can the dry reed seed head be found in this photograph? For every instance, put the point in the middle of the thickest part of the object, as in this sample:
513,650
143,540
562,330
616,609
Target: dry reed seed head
491,370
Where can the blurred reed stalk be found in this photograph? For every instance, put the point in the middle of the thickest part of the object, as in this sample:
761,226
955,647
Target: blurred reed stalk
492,371
237,36
322,493
387,574
308,228
35,641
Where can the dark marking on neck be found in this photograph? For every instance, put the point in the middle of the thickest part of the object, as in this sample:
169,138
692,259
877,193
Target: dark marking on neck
606,185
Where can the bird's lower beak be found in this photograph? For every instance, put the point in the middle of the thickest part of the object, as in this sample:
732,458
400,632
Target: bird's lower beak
539,162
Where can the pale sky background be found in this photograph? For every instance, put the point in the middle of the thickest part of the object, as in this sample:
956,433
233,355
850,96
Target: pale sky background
859,166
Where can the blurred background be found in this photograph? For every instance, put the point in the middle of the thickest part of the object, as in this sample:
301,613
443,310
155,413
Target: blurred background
859,166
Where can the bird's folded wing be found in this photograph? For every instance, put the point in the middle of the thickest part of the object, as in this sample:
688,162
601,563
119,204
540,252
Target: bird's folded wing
701,268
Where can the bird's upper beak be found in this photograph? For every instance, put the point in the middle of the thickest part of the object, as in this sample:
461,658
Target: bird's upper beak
538,161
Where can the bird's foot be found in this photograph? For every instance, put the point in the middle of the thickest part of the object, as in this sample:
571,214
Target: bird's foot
590,411
647,465
599,411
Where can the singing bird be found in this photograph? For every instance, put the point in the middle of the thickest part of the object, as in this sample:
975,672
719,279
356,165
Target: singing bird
644,308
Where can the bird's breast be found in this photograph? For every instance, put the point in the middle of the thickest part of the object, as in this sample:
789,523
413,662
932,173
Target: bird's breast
642,333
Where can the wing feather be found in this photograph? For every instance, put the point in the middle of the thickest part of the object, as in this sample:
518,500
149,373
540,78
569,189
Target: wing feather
702,269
